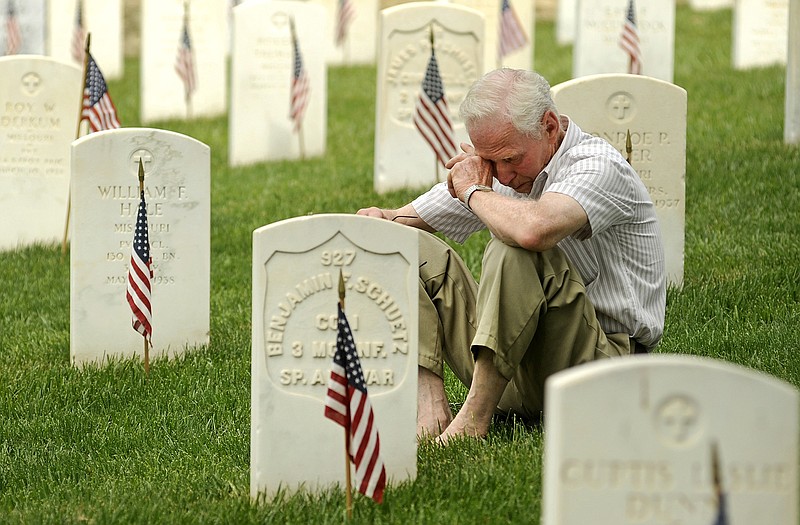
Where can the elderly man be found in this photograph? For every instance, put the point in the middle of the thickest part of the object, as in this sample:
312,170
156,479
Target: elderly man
574,270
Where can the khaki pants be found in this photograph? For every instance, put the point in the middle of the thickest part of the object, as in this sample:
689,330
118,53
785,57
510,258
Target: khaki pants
530,309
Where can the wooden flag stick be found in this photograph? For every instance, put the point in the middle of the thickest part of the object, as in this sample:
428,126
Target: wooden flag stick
77,136
144,336
348,482
302,142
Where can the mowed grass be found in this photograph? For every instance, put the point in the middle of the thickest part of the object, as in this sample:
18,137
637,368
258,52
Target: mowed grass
107,445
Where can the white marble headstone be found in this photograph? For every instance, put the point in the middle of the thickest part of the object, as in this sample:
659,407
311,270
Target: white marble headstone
162,90
38,119
105,199
635,441
760,32
296,268
565,21
655,113
359,45
102,18
599,24
791,130
403,159
30,15
261,80
521,58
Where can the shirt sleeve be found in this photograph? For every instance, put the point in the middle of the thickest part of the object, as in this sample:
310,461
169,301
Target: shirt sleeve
446,214
602,187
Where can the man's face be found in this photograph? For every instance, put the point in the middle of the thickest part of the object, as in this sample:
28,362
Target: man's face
517,159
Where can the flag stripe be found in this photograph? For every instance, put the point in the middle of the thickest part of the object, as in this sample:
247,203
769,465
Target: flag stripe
353,410
13,34
512,35
98,108
345,15
431,116
184,61
78,47
629,40
140,275
299,87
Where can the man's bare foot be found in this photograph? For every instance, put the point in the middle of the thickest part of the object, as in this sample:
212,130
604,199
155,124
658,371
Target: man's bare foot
467,423
487,387
433,410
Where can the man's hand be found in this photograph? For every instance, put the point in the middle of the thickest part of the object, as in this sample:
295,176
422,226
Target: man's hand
466,151
468,171
373,211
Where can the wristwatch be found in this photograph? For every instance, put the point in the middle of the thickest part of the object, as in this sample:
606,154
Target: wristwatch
472,189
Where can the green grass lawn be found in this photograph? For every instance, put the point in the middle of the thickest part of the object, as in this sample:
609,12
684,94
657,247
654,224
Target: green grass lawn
104,445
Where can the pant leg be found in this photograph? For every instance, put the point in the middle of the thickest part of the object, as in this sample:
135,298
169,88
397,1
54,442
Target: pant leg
446,308
533,313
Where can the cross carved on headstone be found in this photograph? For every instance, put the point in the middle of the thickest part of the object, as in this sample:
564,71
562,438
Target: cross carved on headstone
146,157
620,103
31,81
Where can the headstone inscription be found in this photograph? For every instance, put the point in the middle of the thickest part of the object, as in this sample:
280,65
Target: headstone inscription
760,33
184,46
654,112
296,268
38,120
519,18
669,439
599,25
791,130
101,18
403,159
351,29
105,198
22,27
263,88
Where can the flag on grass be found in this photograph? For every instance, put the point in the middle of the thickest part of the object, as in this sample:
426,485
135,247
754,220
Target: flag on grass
629,41
140,275
512,35
344,16
98,108
78,34
184,62
13,35
300,86
432,117
347,403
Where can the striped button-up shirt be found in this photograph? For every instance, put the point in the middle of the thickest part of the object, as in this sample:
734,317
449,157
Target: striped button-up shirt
619,253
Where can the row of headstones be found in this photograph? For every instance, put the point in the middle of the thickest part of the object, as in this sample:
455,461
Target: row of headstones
51,31
760,32
645,440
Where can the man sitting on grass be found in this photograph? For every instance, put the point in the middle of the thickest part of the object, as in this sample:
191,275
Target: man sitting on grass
574,271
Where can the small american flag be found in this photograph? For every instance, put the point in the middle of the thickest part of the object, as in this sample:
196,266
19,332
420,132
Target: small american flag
78,34
98,108
184,62
13,35
140,275
300,86
344,16
432,117
512,35
629,41
347,404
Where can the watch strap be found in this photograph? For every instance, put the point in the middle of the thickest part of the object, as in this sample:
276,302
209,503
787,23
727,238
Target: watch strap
472,189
